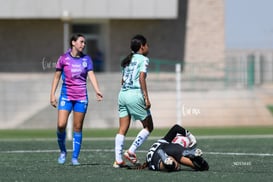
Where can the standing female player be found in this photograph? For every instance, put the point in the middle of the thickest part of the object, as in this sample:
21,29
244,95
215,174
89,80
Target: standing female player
74,67
133,100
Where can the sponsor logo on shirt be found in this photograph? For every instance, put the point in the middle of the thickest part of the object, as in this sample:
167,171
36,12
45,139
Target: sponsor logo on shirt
76,68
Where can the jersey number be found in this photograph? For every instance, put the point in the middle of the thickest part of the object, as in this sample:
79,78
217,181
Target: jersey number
151,151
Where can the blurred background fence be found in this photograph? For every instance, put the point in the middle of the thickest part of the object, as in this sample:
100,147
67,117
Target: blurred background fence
240,95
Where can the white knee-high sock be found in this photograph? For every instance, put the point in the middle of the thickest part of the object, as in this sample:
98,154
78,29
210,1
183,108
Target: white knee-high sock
119,143
141,137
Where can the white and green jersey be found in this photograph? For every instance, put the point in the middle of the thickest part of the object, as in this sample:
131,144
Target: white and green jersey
139,63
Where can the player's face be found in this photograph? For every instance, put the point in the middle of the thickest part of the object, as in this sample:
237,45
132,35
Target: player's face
79,44
145,49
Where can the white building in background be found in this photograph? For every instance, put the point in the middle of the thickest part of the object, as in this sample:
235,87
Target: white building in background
35,30
89,9
38,29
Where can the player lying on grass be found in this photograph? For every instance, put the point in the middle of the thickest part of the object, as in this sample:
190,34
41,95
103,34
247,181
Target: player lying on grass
178,147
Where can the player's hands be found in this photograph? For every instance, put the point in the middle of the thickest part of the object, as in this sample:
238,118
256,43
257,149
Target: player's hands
99,96
168,161
53,101
147,103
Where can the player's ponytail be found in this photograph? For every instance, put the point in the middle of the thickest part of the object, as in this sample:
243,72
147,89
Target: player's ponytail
136,43
126,61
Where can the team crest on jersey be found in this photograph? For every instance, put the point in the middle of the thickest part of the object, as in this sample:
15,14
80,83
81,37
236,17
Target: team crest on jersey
84,64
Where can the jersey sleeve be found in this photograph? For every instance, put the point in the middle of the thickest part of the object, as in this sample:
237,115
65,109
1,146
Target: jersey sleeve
144,65
59,64
90,66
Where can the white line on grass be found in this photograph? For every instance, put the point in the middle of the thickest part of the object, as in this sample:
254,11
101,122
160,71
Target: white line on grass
143,151
235,137
240,154
150,138
140,151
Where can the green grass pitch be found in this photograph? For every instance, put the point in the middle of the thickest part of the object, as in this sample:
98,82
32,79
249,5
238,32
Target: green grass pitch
234,154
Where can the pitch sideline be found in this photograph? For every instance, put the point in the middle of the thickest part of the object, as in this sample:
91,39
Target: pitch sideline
139,151
144,151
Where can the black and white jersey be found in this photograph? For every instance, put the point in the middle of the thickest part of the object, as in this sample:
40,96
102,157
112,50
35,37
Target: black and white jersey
153,158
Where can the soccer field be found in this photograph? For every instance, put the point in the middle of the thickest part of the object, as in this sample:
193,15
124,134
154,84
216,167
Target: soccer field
231,158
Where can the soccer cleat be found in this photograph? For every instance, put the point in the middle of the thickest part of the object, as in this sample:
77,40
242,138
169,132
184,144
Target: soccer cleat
131,157
62,158
120,165
75,162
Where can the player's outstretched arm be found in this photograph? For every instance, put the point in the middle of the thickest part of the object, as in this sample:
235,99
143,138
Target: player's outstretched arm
143,85
95,84
187,162
55,82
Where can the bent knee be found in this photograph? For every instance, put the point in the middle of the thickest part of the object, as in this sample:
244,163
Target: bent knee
148,123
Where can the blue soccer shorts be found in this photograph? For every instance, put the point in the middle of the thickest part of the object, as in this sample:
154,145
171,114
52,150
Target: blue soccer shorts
75,105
